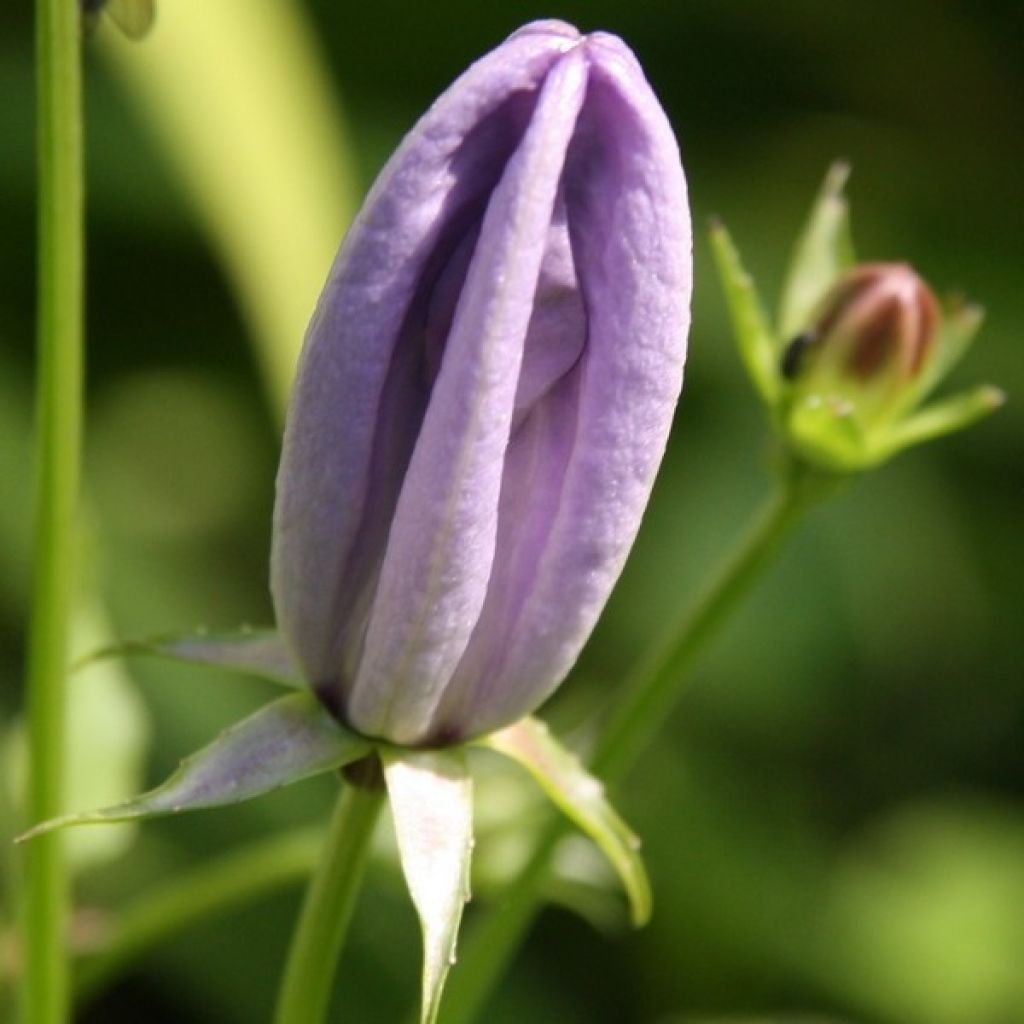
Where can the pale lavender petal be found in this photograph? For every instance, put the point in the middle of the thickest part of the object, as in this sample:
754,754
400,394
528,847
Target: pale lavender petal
630,231
441,546
359,396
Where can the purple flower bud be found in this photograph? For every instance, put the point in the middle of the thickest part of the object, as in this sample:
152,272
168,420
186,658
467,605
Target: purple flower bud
485,394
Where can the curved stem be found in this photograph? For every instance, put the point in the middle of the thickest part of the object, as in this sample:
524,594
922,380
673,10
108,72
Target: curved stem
44,983
317,941
649,697
655,687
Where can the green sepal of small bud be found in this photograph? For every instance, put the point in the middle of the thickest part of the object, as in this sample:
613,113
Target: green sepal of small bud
831,422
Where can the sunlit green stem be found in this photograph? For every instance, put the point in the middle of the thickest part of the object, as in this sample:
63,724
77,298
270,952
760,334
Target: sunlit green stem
330,899
44,985
649,698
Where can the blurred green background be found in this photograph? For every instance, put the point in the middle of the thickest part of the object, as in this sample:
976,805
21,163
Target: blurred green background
833,819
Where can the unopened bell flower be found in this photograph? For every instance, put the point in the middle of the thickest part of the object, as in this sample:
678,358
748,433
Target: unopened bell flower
485,394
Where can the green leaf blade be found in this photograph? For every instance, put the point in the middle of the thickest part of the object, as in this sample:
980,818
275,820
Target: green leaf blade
581,797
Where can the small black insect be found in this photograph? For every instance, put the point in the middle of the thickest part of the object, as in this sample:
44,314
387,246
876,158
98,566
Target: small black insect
795,352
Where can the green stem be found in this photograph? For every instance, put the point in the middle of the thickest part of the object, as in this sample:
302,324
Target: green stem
649,698
654,689
209,890
316,944
44,985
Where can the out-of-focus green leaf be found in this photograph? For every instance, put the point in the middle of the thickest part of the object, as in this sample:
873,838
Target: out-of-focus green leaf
284,742
173,455
133,17
107,723
431,796
108,739
925,916
238,95
582,798
213,888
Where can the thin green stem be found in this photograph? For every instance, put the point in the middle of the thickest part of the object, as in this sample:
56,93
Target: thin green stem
236,878
44,985
654,689
330,899
648,699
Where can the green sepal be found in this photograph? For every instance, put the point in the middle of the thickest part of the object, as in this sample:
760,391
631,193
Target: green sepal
936,420
431,797
581,797
256,652
284,742
960,323
758,346
823,251
825,431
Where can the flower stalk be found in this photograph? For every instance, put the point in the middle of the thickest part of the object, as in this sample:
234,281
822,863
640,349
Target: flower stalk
44,982
329,902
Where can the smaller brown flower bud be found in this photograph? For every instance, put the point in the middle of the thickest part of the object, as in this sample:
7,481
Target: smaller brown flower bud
877,325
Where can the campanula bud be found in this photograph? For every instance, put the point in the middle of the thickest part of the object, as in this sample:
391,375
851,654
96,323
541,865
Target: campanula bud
485,394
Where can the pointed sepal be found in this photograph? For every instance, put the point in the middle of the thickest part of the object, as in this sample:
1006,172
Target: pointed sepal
431,797
256,652
757,343
284,742
960,323
822,252
938,419
582,798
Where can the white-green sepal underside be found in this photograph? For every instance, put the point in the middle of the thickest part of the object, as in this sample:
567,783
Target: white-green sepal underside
284,742
431,797
254,652
582,798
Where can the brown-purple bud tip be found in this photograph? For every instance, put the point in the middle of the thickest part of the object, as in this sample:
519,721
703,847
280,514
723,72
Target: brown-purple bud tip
880,316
